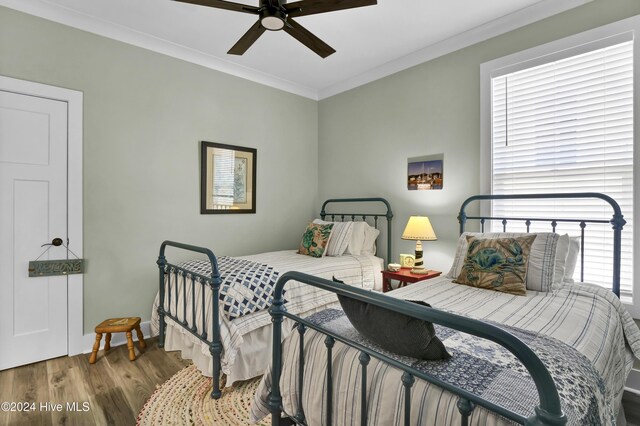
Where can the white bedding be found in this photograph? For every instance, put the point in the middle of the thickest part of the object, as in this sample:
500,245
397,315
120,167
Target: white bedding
246,341
587,317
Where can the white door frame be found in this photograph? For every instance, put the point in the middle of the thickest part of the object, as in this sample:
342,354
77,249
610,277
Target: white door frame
74,100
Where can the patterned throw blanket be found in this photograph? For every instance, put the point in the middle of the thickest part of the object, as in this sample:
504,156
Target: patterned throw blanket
246,286
478,366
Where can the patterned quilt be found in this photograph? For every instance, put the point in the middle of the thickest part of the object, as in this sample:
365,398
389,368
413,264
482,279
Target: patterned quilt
582,334
246,286
362,271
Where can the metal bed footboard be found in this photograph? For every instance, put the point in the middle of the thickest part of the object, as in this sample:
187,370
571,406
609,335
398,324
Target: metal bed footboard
616,220
189,324
548,412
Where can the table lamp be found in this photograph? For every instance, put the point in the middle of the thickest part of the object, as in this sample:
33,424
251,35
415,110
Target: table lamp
419,228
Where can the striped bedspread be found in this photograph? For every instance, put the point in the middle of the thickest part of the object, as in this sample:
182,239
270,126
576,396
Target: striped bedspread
362,271
586,325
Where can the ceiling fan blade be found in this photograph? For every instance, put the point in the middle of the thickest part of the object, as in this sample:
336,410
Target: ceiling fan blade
220,4
311,7
305,37
247,39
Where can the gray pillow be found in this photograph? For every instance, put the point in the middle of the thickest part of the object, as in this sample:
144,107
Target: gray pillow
393,331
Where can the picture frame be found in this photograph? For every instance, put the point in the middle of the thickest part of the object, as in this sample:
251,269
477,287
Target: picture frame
425,173
227,179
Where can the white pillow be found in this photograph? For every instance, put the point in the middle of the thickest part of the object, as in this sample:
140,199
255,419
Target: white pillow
561,260
339,238
370,236
357,238
542,257
572,259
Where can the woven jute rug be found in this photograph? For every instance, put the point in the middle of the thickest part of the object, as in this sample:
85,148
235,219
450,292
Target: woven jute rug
185,399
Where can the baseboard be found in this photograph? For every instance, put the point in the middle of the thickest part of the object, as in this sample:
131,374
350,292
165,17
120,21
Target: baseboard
117,339
633,382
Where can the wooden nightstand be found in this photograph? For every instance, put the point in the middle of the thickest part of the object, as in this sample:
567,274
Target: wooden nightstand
404,276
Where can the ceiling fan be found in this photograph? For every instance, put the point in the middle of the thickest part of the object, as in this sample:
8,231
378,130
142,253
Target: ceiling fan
275,15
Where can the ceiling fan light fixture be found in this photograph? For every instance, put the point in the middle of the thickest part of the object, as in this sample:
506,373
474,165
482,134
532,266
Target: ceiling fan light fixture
272,21
276,15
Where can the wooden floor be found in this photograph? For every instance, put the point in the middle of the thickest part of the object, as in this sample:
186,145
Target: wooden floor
112,391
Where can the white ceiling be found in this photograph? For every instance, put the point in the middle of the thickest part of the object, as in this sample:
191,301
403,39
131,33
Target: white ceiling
370,42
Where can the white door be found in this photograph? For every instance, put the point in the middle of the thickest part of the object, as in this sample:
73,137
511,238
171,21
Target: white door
33,211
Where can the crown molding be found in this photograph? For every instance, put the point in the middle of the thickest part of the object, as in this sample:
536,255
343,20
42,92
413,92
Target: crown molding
65,16
75,19
502,25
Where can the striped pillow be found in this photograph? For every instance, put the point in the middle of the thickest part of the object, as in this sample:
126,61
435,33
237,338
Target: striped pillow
340,237
542,258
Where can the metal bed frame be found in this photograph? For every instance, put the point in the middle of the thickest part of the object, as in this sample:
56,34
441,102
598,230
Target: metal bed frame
617,223
194,280
548,412
388,215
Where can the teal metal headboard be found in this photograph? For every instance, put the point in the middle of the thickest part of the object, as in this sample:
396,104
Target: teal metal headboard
388,214
616,220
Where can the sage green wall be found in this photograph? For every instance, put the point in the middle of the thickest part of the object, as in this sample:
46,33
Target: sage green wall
144,115
367,134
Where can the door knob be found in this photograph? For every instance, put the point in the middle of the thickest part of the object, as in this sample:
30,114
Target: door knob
55,242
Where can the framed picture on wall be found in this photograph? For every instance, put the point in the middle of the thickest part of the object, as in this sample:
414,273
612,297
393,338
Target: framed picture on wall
425,173
227,179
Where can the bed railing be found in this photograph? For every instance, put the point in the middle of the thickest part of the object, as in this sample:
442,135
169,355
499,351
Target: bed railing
617,222
388,214
213,281
548,412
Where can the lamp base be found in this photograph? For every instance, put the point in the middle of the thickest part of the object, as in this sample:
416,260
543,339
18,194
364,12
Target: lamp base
419,271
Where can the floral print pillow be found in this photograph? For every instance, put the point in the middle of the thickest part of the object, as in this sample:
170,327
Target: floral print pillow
315,239
497,264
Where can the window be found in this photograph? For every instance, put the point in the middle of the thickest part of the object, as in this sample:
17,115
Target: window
563,121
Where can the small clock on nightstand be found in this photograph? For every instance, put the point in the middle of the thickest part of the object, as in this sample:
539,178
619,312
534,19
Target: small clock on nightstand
407,260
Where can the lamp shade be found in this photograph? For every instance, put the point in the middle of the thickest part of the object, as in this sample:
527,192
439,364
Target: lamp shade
419,228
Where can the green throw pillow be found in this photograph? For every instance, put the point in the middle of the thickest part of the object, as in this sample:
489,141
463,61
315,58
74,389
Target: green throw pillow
315,239
497,264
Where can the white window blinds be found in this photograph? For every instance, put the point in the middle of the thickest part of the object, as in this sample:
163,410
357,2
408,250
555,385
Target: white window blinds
567,126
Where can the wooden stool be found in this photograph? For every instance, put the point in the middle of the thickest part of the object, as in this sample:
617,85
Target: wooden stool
117,325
